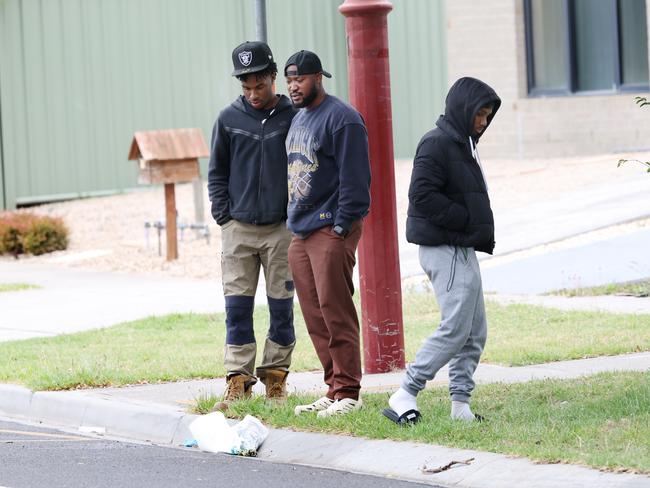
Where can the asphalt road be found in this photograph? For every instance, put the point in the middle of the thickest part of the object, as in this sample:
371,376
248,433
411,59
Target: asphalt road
35,456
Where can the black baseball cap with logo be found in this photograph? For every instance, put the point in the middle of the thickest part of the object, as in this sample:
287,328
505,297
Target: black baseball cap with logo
307,63
251,57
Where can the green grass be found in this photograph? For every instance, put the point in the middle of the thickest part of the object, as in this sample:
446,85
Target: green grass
526,334
602,421
190,346
16,286
156,349
640,288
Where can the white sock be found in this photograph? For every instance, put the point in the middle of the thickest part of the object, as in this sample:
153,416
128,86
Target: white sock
461,411
402,401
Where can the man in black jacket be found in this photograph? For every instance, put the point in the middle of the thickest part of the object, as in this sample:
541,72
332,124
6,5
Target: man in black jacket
450,217
247,184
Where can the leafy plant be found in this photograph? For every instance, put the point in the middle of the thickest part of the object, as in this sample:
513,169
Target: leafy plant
641,102
12,228
46,234
23,232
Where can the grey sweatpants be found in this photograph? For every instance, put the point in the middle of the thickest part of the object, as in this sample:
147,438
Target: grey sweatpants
459,339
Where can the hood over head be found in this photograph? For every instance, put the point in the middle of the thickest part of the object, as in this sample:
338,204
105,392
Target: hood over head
465,98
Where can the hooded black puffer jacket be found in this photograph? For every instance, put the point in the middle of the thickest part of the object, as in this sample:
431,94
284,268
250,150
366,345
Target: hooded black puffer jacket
448,199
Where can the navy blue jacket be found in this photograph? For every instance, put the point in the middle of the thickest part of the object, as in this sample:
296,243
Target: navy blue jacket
448,199
247,174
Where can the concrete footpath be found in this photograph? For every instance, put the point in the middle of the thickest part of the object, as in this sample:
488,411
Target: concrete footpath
71,300
158,414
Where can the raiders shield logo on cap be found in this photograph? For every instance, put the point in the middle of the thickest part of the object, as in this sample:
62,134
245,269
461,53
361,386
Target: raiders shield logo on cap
245,57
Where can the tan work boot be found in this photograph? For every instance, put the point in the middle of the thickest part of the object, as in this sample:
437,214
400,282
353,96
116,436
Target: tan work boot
275,381
238,386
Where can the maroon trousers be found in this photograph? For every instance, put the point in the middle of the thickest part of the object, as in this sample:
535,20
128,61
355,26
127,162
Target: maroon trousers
322,266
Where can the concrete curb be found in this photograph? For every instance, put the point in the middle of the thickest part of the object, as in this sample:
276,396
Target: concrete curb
403,460
144,421
15,400
132,420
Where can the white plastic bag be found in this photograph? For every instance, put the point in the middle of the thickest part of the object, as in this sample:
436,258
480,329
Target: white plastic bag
213,433
251,433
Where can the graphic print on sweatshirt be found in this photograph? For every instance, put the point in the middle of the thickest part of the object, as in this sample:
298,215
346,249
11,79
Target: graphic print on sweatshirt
302,147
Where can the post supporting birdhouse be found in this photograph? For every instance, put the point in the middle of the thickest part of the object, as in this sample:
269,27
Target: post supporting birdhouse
170,221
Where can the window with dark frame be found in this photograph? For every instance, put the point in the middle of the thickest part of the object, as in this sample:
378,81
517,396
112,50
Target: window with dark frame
582,46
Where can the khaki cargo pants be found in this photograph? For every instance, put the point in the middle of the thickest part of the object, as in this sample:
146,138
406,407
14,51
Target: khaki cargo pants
246,247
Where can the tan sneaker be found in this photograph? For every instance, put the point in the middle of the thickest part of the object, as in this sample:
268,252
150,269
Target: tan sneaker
275,381
317,406
238,386
341,407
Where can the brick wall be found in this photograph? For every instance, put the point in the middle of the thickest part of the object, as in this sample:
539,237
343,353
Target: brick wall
486,40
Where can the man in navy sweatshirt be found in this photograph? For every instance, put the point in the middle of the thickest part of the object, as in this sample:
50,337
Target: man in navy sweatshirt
329,194
247,184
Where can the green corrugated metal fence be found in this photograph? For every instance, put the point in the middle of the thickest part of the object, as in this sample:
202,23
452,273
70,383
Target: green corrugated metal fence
418,69
3,29
78,77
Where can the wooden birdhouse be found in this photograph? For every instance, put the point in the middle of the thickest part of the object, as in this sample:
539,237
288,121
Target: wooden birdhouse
169,157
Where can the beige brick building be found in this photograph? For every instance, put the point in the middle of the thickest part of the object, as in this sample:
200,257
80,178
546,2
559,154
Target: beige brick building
488,40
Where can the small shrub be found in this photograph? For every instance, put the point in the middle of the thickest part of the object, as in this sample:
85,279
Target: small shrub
45,235
12,229
33,234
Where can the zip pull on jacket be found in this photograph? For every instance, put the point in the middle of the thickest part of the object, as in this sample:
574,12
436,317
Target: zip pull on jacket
270,115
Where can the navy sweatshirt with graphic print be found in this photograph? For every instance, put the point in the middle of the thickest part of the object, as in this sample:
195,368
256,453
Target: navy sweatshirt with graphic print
329,167
247,174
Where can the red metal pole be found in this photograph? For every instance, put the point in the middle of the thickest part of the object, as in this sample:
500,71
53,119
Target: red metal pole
369,86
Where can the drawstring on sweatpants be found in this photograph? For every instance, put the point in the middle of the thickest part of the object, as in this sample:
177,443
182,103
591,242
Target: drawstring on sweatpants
452,271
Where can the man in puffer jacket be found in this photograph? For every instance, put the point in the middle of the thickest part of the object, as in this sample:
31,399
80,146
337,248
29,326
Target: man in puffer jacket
247,185
449,216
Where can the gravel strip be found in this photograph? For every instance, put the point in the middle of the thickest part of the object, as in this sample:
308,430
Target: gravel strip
108,233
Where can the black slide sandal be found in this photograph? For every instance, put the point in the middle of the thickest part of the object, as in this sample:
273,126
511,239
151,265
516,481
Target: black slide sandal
409,417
